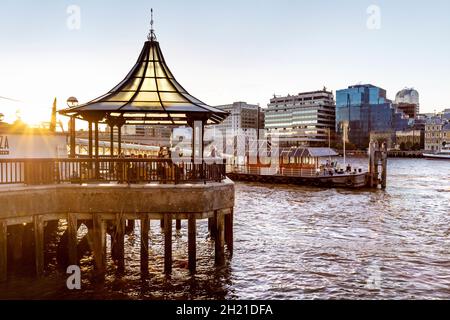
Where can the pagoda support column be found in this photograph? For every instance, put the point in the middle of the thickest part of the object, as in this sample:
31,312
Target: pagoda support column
97,165
111,140
90,139
72,132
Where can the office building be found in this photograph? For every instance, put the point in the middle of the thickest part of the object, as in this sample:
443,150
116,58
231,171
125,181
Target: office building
305,119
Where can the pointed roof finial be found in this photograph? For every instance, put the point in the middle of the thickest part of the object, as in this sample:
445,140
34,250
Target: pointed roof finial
151,36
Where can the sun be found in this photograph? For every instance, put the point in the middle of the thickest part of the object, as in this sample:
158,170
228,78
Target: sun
34,116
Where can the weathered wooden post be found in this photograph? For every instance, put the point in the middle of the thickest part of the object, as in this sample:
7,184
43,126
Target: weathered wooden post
99,246
161,223
119,241
212,226
371,164
219,238
130,226
168,243
3,250
229,232
16,242
178,224
72,230
38,222
145,228
192,243
384,156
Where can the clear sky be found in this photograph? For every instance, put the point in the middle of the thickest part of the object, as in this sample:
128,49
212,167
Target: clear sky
224,51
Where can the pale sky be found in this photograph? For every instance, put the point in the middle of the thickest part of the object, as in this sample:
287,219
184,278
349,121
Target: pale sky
224,51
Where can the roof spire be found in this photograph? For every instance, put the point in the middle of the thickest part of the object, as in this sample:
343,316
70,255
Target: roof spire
151,36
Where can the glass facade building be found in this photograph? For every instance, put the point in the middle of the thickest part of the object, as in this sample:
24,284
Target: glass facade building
366,109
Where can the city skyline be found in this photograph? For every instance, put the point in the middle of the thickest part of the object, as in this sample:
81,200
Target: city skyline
237,53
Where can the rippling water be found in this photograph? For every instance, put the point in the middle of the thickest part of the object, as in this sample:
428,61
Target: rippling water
302,243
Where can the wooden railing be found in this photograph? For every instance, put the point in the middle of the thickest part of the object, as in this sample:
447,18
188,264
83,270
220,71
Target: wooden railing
128,170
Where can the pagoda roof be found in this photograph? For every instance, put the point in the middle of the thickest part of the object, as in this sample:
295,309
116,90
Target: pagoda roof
149,95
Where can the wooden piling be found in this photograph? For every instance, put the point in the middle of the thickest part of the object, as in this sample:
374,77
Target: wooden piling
130,226
219,238
145,228
384,157
161,223
212,226
119,242
99,246
167,243
38,222
178,224
3,250
229,232
16,241
192,243
72,230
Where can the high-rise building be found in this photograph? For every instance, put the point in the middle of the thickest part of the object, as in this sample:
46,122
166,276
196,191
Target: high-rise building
366,110
307,118
407,100
242,118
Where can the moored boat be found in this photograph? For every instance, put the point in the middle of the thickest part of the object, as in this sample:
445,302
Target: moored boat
443,154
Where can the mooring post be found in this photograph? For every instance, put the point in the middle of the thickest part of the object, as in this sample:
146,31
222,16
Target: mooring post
119,241
384,156
168,243
3,250
72,230
162,223
178,224
99,244
145,228
192,243
38,222
229,232
219,238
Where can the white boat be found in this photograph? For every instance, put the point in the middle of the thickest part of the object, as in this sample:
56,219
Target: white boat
443,154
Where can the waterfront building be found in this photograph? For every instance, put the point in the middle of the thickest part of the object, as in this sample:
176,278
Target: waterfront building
446,114
18,141
410,139
150,135
437,134
366,109
407,100
305,119
244,118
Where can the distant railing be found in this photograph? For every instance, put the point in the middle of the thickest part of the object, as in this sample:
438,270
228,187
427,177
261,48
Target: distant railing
288,172
266,171
128,170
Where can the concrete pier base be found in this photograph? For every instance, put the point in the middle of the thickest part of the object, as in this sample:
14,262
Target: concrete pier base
192,244
72,230
229,232
38,226
219,238
3,251
145,228
99,246
168,243
97,206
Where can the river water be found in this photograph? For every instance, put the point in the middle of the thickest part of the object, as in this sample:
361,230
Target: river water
296,242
